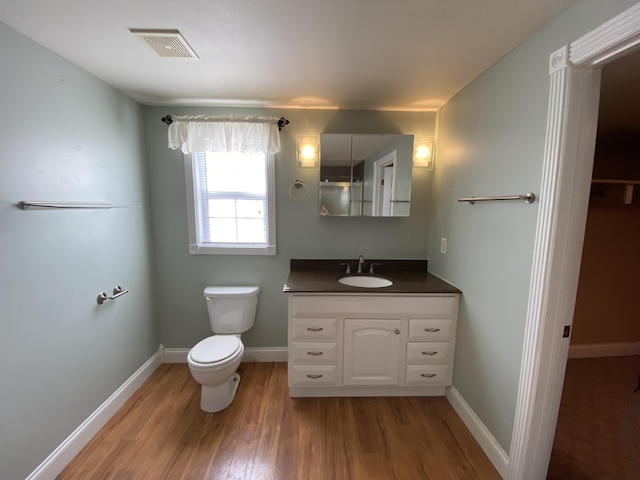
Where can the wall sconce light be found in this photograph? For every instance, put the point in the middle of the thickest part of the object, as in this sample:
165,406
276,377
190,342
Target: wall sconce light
423,152
308,151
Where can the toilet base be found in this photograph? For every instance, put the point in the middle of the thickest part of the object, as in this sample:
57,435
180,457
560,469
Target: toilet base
215,399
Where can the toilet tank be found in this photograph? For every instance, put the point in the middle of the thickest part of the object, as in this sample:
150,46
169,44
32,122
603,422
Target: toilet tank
231,309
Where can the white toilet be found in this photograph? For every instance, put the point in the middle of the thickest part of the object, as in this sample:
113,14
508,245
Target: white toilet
213,361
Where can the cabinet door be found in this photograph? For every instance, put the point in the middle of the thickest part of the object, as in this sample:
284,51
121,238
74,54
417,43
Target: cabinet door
372,351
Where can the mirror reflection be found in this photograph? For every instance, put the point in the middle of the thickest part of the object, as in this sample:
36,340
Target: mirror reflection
365,175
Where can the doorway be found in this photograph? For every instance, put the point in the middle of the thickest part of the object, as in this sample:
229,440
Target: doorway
568,159
384,174
594,430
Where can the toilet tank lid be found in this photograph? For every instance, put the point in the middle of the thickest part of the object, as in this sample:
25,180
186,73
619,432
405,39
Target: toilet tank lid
231,291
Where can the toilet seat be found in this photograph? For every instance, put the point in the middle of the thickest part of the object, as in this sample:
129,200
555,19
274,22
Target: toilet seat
215,350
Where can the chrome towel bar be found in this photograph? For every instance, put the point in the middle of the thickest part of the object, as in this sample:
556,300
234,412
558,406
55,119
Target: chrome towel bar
118,291
527,197
33,205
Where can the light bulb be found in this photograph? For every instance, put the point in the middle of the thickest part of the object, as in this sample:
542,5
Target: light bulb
422,152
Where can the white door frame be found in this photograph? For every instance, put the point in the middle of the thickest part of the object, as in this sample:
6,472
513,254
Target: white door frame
564,197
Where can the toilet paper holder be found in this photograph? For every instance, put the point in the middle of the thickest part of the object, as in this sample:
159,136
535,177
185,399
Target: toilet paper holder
118,291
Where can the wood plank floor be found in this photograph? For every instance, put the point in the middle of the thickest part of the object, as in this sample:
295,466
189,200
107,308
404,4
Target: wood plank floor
161,433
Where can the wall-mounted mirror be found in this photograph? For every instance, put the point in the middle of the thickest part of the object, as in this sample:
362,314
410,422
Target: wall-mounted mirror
365,175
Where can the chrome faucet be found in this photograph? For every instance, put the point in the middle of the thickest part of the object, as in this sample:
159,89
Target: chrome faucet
360,263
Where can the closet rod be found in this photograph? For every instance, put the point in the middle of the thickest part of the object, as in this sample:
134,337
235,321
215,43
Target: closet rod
33,205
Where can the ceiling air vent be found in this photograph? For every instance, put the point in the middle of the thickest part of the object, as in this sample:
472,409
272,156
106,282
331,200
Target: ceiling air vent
165,43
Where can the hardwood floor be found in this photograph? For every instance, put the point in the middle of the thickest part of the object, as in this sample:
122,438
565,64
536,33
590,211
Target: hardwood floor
161,433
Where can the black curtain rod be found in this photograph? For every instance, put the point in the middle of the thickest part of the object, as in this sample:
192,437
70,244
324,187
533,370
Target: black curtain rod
283,122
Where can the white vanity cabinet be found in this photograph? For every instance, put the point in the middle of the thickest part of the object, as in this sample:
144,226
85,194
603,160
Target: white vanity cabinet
371,345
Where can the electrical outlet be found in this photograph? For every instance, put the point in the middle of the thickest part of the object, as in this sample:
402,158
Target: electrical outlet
443,245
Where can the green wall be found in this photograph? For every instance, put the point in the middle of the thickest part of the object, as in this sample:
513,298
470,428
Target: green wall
491,142
66,136
301,233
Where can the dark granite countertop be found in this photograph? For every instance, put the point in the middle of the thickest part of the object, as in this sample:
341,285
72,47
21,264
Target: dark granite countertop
321,276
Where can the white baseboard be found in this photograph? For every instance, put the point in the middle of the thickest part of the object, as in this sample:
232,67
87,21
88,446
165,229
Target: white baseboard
604,350
251,354
175,355
483,436
265,354
71,446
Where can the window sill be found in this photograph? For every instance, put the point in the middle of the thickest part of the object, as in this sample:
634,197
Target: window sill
203,249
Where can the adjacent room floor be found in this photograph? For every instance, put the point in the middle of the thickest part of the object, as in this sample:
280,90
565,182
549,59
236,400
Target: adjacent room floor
161,433
598,430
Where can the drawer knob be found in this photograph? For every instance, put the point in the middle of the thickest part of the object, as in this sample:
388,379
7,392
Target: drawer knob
429,353
314,377
396,331
428,375
315,329
431,330
315,354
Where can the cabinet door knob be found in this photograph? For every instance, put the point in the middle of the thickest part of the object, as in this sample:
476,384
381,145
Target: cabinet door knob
428,375
431,330
396,331
314,329
314,377
429,353
314,353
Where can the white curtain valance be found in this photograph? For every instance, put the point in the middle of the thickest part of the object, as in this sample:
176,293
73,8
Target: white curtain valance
224,134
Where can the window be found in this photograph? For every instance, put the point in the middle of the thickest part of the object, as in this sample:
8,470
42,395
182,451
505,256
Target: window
231,203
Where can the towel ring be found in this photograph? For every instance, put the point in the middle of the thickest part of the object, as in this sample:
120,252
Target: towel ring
298,184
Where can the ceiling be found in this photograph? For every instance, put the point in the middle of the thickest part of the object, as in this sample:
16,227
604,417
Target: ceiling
408,55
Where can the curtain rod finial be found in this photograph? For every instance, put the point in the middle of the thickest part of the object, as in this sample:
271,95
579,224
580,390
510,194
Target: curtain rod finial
282,123
168,120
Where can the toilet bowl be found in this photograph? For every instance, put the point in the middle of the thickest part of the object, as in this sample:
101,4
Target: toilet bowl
214,360
213,363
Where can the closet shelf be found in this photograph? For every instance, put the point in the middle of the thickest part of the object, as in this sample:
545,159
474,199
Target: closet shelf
628,185
614,181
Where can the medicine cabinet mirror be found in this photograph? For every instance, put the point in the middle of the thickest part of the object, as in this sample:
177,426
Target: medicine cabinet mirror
365,175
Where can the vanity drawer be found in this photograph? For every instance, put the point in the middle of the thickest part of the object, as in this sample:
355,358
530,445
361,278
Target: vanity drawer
428,375
313,374
314,352
428,352
315,328
430,329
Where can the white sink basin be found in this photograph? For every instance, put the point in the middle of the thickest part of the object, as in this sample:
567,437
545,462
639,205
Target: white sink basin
365,281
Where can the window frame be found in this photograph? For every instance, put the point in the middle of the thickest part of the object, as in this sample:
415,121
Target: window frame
194,214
